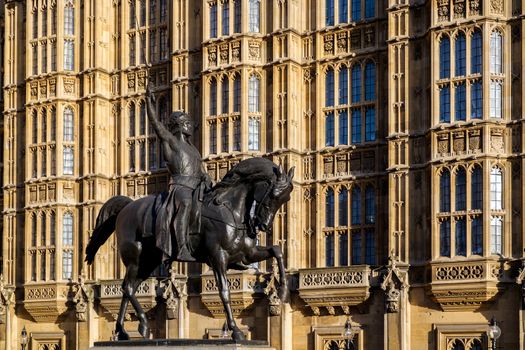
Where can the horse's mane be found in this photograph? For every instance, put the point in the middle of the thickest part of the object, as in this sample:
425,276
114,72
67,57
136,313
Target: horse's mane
250,170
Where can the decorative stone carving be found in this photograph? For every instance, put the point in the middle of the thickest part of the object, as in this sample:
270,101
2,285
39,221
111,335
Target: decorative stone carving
496,140
46,301
6,299
254,49
236,51
224,53
443,144
271,290
459,8
174,293
328,40
475,7
459,142
496,6
443,10
370,36
342,42
342,164
308,167
328,166
141,79
394,284
334,287
69,85
52,87
355,39
474,142
82,299
212,56
43,89
131,81
521,281
34,90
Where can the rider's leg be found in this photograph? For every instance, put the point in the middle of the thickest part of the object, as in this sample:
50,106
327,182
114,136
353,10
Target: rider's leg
182,220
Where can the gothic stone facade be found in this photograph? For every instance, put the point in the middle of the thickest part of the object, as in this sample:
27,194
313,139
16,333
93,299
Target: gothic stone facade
403,120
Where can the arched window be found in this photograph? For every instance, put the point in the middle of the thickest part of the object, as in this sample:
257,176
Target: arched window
329,101
44,126
458,345
225,137
356,10
44,22
370,8
132,55
142,13
356,126
356,206
444,238
54,20
152,11
370,81
225,95
69,55
330,208
34,233
34,121
476,98
43,229
163,10
444,191
476,52
213,138
237,93
343,127
496,53
343,11
131,110
477,188
152,155
254,16
225,18
132,14
496,229
477,236
213,96
496,99
67,229
461,237
329,12
213,20
237,134
343,207
370,205
53,124
52,228
444,58
68,124
343,86
237,19
461,54
253,94
142,117
69,20
68,160
461,190
356,248
330,129
370,247
343,249
254,127
329,249
444,104
476,345
370,124
461,102
356,84
496,189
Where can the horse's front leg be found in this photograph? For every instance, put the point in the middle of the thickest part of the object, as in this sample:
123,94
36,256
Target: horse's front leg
219,270
259,253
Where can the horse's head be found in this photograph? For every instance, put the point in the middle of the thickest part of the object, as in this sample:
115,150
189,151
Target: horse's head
269,197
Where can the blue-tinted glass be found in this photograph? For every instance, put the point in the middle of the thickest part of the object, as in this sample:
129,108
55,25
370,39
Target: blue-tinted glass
461,102
370,8
370,205
444,192
329,247
330,129
356,206
444,58
496,55
213,97
370,81
476,98
356,84
343,128
477,188
329,88
461,237
444,104
213,21
444,238
356,10
330,208
370,247
254,16
356,126
461,190
343,86
370,124
225,18
343,249
356,248
343,207
477,52
343,11
329,12
237,18
461,52
477,236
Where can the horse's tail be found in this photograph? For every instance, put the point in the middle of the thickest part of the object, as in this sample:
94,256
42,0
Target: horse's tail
105,225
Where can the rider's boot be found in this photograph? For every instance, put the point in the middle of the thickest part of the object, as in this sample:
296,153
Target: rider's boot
184,253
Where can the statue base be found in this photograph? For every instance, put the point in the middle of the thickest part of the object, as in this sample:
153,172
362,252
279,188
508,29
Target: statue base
183,344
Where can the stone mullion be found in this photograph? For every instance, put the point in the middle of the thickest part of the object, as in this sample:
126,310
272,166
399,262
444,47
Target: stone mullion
319,237
468,217
486,69
486,208
454,218
244,109
507,190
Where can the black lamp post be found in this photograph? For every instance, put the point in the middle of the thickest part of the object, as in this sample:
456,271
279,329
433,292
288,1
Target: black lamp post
23,339
494,332
348,335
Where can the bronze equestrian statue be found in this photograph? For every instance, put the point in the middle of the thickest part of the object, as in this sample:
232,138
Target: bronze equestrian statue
194,221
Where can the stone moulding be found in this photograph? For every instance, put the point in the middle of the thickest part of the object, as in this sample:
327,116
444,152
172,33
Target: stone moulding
45,302
465,285
244,289
110,296
333,287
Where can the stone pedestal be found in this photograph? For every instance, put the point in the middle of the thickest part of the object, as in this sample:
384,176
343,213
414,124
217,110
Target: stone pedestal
183,344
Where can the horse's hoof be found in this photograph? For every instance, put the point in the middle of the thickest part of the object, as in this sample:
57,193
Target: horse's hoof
144,330
122,335
238,335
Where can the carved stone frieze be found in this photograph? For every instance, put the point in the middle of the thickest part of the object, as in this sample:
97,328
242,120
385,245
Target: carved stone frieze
355,39
212,56
141,79
474,7
333,287
243,289
474,141
496,140
328,166
236,51
46,301
443,144
328,40
496,6
34,90
69,85
342,42
443,10
370,36
459,8
458,143
52,87
254,50
224,53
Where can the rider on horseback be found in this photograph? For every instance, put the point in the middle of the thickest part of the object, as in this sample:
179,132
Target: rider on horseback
187,184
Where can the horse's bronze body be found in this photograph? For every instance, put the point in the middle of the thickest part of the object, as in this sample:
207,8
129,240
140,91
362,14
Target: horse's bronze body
239,206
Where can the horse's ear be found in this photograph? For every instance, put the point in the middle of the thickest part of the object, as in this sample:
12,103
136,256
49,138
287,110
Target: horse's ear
280,171
291,173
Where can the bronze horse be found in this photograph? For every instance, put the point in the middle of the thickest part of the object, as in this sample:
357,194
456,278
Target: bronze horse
243,203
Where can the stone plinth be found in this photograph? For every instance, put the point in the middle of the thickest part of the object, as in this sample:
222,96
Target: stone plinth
183,344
